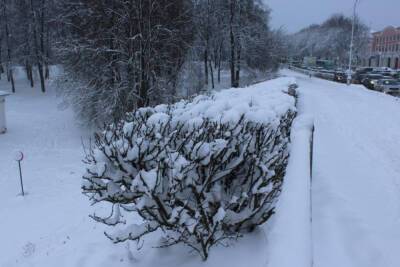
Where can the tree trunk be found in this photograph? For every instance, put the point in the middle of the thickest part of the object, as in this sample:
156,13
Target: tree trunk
47,69
232,43
219,62
1,63
212,75
7,72
41,76
215,57
144,85
9,63
238,66
143,57
29,74
39,57
206,66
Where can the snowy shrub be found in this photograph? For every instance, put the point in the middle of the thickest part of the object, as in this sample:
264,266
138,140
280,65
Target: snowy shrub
199,171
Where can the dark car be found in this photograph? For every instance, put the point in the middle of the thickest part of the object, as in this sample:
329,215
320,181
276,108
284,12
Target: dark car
361,73
370,80
365,70
326,74
340,77
384,73
396,75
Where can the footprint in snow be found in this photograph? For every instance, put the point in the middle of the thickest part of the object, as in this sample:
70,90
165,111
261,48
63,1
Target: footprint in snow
28,249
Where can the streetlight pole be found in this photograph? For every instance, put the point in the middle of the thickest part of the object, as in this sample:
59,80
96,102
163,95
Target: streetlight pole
352,43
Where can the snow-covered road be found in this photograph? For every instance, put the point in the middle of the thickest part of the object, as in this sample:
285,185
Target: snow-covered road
356,176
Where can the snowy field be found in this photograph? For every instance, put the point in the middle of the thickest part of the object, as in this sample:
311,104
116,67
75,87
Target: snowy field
50,226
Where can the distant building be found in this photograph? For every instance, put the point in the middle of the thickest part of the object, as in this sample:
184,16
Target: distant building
316,62
385,48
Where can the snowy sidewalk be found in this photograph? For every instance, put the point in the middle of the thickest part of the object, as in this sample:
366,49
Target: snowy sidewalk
356,179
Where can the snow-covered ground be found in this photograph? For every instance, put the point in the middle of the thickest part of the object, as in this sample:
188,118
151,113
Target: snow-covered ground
291,231
356,189
50,226
356,179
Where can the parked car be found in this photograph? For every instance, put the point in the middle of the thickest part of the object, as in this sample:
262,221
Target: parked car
388,86
340,76
370,80
326,74
385,73
384,69
361,73
396,75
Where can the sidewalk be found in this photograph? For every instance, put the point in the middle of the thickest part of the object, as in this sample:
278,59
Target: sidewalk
356,179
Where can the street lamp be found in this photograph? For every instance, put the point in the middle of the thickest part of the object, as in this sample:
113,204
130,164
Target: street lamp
352,42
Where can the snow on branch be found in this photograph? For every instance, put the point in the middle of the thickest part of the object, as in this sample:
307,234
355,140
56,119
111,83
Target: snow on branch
202,171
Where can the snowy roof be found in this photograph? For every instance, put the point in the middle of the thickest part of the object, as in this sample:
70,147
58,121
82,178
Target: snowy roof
2,93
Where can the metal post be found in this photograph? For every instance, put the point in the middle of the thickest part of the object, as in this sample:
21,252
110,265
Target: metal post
19,157
311,191
312,150
20,178
352,43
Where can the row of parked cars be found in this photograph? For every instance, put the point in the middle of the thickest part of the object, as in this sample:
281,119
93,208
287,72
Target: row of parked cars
384,80
381,79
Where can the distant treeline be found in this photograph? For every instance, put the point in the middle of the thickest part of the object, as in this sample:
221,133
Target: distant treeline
331,40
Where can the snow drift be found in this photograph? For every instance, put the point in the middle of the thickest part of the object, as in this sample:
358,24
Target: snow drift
292,233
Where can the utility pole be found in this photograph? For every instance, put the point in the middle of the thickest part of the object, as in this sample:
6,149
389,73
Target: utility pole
352,43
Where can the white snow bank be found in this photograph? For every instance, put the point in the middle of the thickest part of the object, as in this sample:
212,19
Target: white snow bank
291,234
261,103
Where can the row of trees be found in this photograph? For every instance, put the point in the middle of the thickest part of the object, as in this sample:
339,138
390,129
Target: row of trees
123,54
140,52
118,55
330,40
25,36
236,32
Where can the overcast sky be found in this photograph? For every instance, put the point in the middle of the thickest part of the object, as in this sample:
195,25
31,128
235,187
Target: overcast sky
294,15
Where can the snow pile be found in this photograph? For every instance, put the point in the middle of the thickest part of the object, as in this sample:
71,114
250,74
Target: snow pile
292,234
201,171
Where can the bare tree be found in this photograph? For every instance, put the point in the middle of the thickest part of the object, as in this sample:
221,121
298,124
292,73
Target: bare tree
330,39
129,54
9,66
38,43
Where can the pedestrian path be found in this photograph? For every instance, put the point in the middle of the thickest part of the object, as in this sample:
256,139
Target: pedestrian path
356,176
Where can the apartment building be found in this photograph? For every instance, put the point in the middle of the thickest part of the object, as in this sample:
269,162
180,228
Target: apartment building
385,48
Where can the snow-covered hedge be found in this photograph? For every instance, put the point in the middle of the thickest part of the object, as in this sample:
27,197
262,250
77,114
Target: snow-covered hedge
202,171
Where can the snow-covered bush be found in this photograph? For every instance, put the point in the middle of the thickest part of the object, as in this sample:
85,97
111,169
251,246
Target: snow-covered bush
201,171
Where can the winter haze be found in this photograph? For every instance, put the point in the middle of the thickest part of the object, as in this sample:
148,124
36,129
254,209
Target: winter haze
294,15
